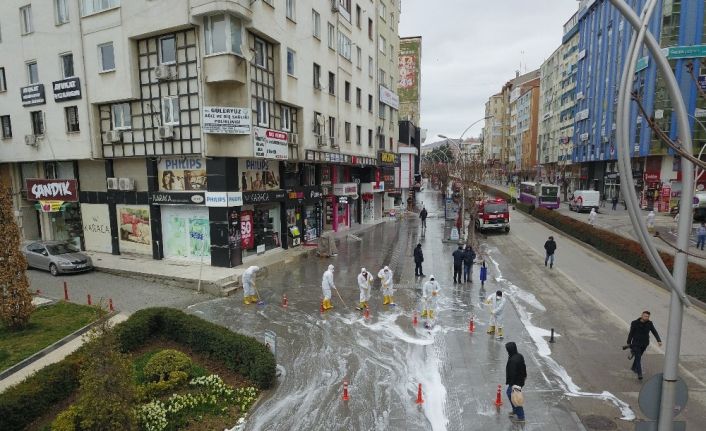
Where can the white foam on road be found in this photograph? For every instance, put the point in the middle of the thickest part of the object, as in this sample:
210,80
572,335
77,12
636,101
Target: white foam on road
538,337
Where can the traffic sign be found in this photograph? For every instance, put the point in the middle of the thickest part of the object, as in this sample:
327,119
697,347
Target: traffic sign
651,395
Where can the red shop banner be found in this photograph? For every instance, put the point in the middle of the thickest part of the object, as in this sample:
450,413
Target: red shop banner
52,190
247,236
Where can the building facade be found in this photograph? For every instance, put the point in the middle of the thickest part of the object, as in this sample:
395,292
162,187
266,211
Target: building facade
493,134
198,130
410,85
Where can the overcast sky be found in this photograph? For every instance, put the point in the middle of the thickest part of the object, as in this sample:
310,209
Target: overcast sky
470,48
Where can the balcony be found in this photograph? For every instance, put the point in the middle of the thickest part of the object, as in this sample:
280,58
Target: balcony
225,67
239,8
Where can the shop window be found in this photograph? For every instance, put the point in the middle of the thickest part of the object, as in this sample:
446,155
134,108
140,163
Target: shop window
37,118
167,50
71,114
6,126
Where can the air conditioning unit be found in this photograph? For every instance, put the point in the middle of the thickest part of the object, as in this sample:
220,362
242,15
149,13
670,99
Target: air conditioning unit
166,132
31,140
162,72
126,184
293,139
113,136
113,184
320,140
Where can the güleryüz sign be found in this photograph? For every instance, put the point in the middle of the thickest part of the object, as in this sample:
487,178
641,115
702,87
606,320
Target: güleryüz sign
55,190
226,120
66,89
33,95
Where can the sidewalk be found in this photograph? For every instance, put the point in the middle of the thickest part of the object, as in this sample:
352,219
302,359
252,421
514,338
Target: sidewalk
214,280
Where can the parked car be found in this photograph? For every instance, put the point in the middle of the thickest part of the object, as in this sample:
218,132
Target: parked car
57,257
584,200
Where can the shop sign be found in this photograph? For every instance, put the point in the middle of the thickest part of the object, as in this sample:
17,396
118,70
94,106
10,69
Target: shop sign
66,89
702,82
247,237
50,206
258,175
651,177
345,189
389,98
343,199
167,198
313,193
182,173
54,189
389,159
33,95
372,187
226,120
270,144
224,199
263,197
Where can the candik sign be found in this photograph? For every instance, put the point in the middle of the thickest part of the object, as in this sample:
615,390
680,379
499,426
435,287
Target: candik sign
52,189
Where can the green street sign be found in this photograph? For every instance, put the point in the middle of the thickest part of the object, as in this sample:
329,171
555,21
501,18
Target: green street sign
642,64
679,52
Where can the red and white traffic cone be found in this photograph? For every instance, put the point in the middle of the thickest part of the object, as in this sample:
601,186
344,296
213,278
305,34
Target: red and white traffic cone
498,397
471,326
414,319
89,299
419,395
345,391
366,313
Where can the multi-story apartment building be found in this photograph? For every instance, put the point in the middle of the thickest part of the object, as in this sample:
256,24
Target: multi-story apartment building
198,129
604,39
524,112
493,133
558,97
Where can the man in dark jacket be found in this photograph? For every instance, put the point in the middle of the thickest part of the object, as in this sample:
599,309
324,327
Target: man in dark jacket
423,217
418,259
639,339
468,257
550,248
458,263
515,375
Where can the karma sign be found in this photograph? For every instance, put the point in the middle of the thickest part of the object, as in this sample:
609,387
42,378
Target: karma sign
56,190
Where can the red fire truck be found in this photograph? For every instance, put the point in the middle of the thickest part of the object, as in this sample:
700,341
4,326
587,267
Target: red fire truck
493,214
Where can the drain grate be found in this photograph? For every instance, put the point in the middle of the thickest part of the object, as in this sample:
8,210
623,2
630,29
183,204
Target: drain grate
599,423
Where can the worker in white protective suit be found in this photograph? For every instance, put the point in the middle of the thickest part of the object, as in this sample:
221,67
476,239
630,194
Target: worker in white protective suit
326,286
365,281
430,295
651,222
592,217
496,302
385,275
249,275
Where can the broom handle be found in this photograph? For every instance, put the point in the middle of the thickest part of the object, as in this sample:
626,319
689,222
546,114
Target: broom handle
339,297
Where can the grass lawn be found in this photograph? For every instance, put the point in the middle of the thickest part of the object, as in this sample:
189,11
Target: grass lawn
47,325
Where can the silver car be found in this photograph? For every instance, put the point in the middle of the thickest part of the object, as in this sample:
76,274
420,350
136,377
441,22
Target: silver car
56,256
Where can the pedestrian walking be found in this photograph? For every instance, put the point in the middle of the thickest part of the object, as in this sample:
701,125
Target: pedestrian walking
423,216
550,248
592,217
365,281
651,222
468,257
418,259
483,274
603,200
458,263
430,292
326,286
515,376
249,296
385,275
496,302
639,339
614,201
701,236
676,222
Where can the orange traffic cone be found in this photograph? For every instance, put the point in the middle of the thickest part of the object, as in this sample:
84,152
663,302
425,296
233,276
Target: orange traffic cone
345,391
110,304
366,313
321,306
414,319
285,301
419,395
498,397
472,326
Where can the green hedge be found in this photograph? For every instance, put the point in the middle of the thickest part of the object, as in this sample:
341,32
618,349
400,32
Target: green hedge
24,402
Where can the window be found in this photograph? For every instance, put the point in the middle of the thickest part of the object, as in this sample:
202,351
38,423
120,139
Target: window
260,51
316,24
37,119
224,33
347,130
392,52
382,43
285,115
370,28
290,9
331,83
358,97
381,110
370,138
359,57
107,57
331,36
67,65
26,19
371,66
32,72
344,46
357,15
383,11
6,126
71,114
94,6
347,91
61,11
370,103
167,50
291,60
122,116
170,110
263,113
381,77
317,76
332,129
318,124
358,138
3,83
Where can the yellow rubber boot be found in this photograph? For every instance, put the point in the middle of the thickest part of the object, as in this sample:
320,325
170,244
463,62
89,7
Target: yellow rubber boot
361,305
391,301
424,313
253,298
491,330
385,300
246,300
499,333
431,314
366,304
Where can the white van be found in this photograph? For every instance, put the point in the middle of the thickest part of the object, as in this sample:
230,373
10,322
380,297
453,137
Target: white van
584,200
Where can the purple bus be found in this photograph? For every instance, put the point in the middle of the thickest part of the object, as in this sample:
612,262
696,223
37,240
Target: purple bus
539,195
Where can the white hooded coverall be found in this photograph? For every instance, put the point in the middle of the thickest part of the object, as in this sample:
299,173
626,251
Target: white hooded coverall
497,304
592,217
430,295
327,283
651,220
249,280
386,277
365,280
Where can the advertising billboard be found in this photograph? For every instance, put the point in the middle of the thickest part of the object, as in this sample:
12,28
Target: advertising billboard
409,87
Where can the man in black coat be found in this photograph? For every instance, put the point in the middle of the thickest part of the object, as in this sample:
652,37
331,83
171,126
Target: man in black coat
458,263
418,259
468,257
423,216
639,339
550,248
515,375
